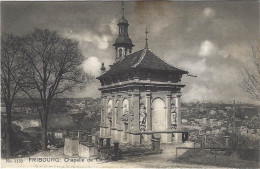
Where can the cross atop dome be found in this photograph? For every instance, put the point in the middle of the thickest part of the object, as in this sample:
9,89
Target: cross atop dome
146,39
123,9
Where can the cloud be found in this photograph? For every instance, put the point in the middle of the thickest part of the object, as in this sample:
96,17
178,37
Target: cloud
209,41
206,48
113,26
209,12
153,15
92,66
101,41
236,51
158,26
197,92
195,68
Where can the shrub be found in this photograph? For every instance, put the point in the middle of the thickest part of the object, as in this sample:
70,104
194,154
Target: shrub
19,147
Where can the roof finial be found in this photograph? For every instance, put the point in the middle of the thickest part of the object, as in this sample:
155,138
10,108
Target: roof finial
123,9
146,39
103,68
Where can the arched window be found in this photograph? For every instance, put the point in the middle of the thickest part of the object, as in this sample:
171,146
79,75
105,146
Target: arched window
120,52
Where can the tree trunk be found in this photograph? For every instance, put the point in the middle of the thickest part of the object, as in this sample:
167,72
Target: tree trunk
44,132
8,131
8,144
44,138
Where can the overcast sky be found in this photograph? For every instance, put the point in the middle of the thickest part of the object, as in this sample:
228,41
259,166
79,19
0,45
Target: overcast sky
209,39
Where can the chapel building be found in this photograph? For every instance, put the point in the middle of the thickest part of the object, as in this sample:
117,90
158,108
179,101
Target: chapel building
140,94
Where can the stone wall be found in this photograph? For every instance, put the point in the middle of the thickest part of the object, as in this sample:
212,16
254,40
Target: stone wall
86,151
71,147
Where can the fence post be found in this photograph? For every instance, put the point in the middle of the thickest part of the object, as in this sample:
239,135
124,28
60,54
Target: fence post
79,134
116,148
176,152
201,140
157,145
201,144
100,142
153,144
89,139
107,142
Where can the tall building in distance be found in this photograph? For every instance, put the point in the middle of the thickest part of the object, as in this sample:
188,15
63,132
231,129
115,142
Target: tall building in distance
140,94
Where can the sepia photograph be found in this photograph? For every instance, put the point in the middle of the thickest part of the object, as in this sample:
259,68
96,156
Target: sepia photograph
130,84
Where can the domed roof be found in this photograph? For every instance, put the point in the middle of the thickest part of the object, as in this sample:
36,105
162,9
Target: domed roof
123,40
122,20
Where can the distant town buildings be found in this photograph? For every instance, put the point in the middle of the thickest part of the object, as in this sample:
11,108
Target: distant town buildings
26,116
213,118
216,118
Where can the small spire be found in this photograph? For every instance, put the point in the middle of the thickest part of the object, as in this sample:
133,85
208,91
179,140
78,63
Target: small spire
123,9
103,68
146,39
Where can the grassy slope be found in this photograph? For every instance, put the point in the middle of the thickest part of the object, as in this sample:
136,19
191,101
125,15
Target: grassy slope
203,157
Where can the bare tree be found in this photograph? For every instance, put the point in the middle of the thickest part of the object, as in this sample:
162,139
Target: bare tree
250,82
54,68
12,72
